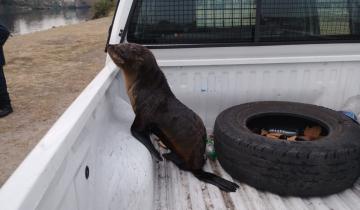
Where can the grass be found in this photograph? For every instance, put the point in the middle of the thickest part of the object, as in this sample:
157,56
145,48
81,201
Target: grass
102,8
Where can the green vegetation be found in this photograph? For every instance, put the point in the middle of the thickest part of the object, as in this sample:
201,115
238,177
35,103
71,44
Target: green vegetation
102,8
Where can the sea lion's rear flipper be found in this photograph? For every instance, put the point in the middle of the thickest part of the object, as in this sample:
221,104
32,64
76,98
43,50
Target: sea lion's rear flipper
144,138
221,183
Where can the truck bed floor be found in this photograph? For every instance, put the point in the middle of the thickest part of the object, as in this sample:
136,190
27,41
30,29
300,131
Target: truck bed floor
177,189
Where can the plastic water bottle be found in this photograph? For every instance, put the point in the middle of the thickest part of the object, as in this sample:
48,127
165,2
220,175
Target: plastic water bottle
351,108
351,115
352,105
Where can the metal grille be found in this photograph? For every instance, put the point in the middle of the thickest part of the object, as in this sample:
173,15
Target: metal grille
239,21
189,21
298,20
334,17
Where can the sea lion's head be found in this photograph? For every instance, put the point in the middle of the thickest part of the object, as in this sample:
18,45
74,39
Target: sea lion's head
131,57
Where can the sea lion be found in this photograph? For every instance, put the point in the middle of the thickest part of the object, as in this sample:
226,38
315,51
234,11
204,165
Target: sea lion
158,111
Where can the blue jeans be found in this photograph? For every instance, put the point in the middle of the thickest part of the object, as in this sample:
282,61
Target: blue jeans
4,95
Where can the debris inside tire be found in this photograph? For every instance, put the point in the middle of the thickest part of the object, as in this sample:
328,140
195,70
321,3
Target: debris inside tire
309,133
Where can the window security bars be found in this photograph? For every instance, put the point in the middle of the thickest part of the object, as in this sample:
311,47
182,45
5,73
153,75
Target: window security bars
243,21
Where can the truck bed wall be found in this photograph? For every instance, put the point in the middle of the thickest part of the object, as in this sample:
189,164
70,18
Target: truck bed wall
120,168
208,90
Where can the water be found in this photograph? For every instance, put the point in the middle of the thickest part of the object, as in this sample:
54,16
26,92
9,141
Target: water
20,21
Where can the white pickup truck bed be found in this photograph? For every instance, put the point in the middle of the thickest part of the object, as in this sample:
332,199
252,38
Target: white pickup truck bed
94,133
266,73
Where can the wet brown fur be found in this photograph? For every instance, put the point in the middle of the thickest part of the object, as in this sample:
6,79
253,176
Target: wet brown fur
157,109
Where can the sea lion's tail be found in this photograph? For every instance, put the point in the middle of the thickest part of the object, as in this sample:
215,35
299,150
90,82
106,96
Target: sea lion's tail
221,183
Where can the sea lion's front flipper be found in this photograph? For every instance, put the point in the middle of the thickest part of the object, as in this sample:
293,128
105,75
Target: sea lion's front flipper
174,158
144,138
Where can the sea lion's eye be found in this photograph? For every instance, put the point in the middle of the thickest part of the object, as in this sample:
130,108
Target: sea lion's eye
139,58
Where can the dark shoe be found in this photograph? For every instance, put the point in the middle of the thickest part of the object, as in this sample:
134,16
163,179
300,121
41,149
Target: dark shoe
5,111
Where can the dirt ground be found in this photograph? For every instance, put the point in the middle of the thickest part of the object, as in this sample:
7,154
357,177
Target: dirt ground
45,72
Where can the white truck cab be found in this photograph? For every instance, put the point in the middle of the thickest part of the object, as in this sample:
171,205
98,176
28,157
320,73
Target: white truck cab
215,54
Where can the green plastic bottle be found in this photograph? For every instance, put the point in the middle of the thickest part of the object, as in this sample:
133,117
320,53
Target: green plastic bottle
210,149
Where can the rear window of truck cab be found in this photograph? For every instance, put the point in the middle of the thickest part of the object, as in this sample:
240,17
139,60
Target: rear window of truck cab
243,21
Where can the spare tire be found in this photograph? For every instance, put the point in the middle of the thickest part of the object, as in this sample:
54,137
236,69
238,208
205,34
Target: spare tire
301,168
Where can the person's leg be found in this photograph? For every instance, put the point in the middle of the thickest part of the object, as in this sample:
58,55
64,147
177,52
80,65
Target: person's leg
5,106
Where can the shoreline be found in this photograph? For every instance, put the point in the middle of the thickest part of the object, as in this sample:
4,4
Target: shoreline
46,6
29,8
28,21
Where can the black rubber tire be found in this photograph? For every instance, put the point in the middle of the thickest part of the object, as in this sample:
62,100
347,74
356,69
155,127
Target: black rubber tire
302,168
